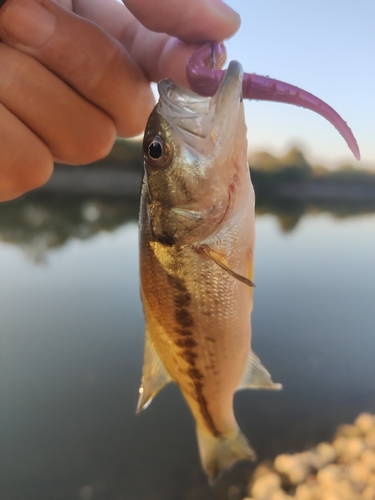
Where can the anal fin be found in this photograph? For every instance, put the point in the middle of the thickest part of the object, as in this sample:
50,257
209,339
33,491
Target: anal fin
221,261
154,376
257,376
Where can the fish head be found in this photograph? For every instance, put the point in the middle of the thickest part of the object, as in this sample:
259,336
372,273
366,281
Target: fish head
194,149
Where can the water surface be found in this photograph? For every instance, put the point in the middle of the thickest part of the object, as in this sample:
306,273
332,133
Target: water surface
71,346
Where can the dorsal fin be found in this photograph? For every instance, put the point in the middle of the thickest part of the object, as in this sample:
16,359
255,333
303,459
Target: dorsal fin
154,376
257,376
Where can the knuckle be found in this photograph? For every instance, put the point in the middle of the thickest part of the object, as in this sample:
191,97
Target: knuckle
111,60
25,172
35,171
17,68
94,145
133,120
41,174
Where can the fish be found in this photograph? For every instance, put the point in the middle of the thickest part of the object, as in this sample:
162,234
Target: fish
196,239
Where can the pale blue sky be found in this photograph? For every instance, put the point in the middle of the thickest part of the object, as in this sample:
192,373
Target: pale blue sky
326,47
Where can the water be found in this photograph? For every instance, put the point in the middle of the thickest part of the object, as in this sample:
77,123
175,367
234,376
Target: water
71,346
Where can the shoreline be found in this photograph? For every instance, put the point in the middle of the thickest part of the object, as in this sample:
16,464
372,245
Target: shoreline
115,179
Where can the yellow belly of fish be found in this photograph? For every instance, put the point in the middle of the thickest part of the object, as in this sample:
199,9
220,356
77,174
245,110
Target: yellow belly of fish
198,318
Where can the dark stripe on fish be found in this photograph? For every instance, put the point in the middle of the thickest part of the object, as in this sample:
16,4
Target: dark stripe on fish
177,283
189,356
183,299
195,374
196,377
184,332
188,344
203,406
183,317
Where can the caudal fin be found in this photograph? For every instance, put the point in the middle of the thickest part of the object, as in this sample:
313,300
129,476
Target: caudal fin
220,453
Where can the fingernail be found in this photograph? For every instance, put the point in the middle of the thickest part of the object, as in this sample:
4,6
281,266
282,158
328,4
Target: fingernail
27,23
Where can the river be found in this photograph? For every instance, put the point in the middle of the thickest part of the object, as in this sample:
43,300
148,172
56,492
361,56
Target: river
71,347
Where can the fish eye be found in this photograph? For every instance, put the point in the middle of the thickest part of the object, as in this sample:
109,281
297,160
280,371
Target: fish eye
155,150
157,153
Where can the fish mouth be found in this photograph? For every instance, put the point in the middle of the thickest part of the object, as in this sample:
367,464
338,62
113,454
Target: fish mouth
196,117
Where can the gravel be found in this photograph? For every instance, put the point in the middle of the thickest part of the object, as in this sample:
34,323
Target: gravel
341,470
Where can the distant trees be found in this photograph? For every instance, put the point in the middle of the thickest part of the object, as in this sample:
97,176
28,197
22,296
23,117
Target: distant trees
293,166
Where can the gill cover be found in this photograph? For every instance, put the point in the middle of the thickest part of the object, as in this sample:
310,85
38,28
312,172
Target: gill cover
188,150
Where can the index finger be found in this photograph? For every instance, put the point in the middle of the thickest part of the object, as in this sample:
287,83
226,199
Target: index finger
193,21
158,54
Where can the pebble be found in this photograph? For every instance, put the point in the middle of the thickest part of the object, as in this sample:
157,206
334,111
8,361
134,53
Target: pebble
348,430
365,422
295,467
370,439
358,473
368,458
341,470
265,485
324,454
368,493
348,448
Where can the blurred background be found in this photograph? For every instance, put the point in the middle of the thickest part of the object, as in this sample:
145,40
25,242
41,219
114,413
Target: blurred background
71,322
324,47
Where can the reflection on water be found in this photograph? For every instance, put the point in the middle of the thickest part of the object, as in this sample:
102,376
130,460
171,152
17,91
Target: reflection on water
71,344
42,221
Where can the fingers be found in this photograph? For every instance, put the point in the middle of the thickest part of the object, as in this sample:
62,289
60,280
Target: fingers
25,160
158,54
111,15
73,129
193,21
67,85
83,56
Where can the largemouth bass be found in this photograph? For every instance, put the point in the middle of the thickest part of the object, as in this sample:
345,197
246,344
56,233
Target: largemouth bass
197,240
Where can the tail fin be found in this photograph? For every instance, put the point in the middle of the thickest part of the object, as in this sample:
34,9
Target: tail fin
219,453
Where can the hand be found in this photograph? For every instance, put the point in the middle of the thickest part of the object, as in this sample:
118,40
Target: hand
76,73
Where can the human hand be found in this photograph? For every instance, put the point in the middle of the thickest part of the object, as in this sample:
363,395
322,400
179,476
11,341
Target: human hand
76,73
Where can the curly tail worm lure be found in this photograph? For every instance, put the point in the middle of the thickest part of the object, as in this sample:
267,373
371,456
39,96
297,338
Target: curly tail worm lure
204,79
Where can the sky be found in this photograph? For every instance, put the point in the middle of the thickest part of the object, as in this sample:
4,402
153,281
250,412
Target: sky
326,47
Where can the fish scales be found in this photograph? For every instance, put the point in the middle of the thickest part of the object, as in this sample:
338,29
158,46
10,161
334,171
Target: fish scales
196,304
196,260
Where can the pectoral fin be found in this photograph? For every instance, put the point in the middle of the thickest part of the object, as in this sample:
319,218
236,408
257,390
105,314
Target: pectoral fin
154,376
223,263
257,376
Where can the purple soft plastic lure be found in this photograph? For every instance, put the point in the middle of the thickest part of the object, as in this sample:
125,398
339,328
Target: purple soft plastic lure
204,78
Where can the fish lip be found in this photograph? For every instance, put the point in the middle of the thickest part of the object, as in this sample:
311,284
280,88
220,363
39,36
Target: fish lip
195,115
229,93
